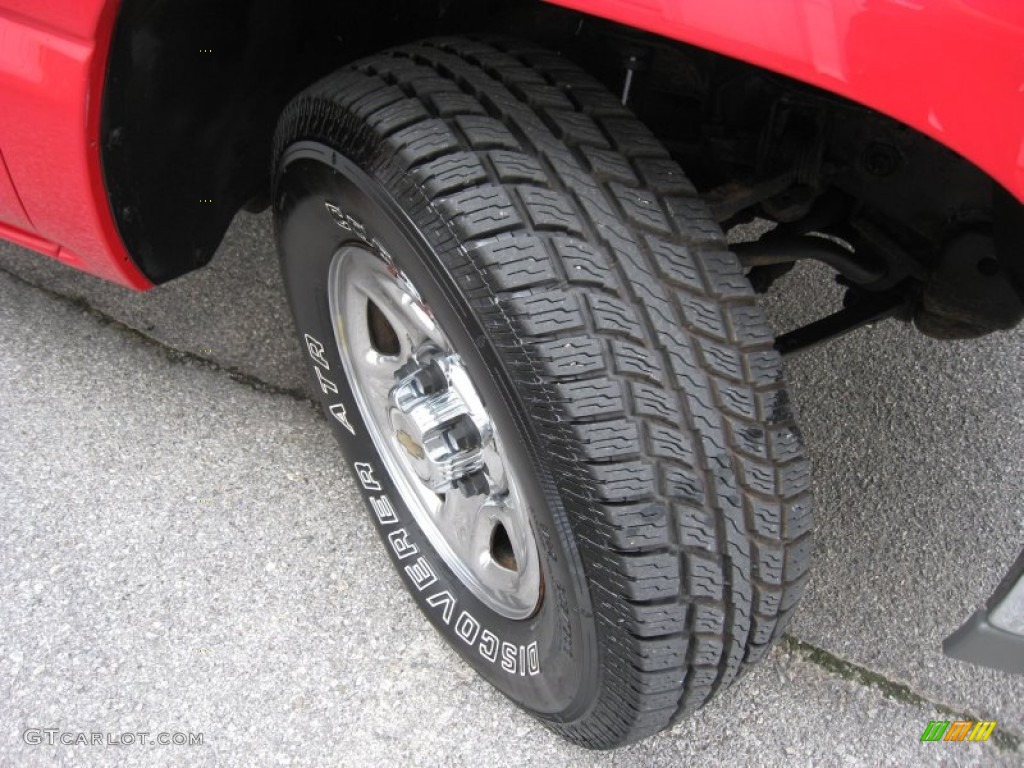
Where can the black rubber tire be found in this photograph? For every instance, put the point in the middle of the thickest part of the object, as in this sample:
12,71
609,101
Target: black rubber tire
615,332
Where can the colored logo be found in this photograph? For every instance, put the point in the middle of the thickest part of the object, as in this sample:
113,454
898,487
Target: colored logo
960,730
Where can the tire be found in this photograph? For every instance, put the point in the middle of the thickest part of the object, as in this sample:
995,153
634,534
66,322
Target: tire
615,345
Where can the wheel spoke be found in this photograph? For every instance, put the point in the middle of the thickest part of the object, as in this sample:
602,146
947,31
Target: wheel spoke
494,466
379,373
459,514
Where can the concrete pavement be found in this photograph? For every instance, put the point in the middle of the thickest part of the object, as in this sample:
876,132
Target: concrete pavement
183,550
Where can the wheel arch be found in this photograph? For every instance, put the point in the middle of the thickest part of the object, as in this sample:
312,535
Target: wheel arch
193,91
194,87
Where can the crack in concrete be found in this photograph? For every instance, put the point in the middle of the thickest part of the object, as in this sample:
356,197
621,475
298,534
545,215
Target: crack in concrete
1002,739
169,352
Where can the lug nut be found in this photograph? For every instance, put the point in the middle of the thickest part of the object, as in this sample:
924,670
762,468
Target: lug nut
407,370
429,378
473,484
463,435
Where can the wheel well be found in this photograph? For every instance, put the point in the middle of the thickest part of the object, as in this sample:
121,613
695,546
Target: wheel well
193,92
195,87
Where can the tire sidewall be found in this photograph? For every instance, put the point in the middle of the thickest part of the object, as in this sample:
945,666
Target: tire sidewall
547,664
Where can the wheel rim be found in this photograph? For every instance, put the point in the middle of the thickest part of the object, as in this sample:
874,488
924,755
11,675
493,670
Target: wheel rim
432,431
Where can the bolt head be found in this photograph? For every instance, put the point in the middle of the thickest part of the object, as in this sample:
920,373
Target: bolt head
463,435
407,370
473,484
431,378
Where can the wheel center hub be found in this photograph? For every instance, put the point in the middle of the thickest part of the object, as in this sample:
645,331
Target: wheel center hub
435,425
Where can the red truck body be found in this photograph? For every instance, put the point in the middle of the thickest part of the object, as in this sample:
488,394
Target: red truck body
52,196
952,69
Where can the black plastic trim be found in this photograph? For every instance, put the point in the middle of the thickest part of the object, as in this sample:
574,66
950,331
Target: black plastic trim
979,642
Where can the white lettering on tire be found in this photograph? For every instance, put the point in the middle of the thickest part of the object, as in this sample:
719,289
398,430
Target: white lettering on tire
317,352
421,574
328,386
365,474
509,657
443,598
338,411
401,545
467,628
533,658
383,509
489,645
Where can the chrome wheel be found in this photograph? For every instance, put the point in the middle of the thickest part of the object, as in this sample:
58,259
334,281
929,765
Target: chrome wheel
433,431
